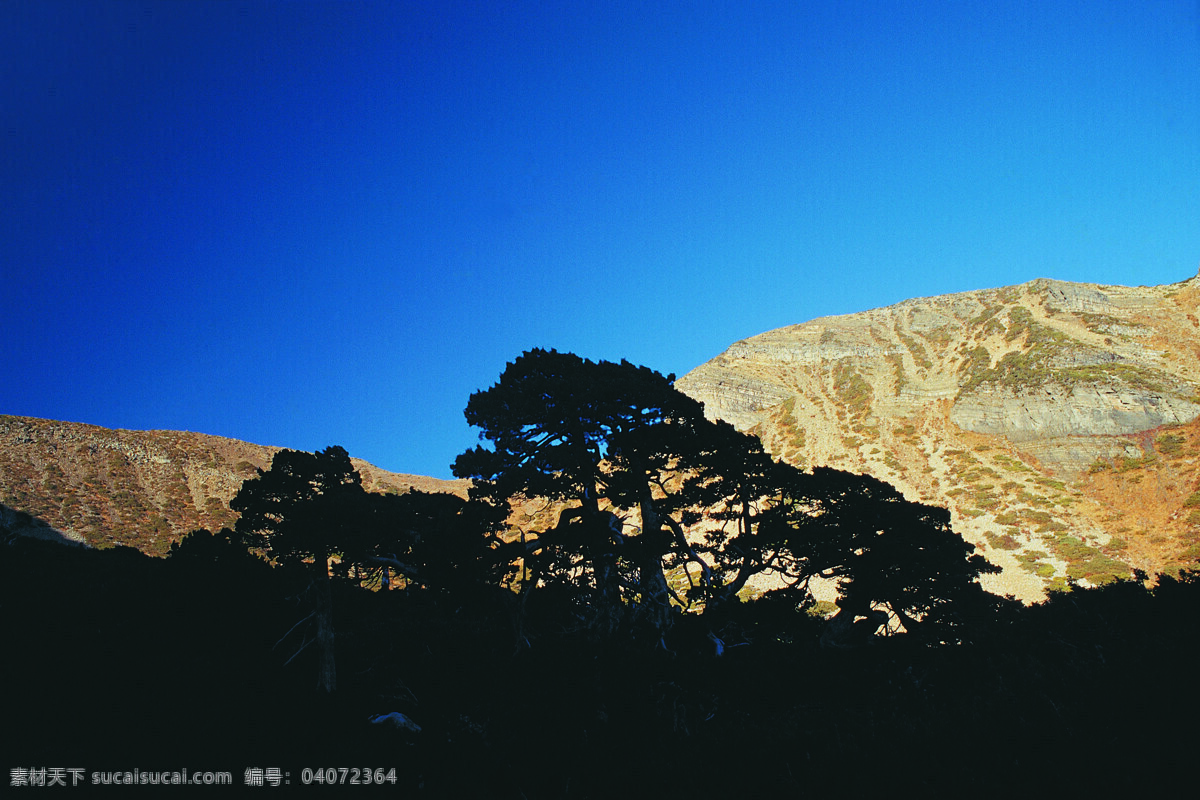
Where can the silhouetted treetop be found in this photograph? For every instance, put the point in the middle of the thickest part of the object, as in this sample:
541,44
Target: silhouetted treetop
899,556
566,428
301,508
614,438
304,509
553,417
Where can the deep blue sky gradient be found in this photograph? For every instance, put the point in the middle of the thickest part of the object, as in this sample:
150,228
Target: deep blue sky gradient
306,224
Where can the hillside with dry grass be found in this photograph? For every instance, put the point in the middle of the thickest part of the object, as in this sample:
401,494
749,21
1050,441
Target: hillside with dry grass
1057,421
145,489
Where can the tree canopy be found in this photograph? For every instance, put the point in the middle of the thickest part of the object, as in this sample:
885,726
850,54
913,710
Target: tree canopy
436,540
570,429
657,510
652,492
303,511
302,508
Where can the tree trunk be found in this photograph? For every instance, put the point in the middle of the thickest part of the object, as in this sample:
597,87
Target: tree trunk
656,593
603,555
326,665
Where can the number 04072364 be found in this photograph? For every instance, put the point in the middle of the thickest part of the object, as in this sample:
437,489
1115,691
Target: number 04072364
347,775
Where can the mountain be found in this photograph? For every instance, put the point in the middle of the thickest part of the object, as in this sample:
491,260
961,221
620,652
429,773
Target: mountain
146,489
1058,421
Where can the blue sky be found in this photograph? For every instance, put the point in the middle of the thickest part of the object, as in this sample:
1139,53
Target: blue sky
305,224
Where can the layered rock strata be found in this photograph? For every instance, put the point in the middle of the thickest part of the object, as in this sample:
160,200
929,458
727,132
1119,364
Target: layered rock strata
1009,406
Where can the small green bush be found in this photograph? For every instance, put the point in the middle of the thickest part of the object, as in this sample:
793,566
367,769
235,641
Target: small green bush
919,353
1002,541
1125,463
1170,444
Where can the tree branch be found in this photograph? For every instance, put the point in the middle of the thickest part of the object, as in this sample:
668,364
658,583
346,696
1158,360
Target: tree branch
289,633
303,647
681,539
408,570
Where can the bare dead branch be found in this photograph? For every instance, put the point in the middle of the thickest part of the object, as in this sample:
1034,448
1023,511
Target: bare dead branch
289,633
303,647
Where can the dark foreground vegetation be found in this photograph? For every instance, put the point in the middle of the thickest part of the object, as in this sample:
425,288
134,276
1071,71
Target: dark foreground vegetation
600,652
115,660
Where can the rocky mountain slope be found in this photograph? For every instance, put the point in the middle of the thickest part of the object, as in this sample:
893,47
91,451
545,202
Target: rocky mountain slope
145,489
1058,421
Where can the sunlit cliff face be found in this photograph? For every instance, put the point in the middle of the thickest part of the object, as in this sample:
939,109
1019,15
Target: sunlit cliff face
1038,413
